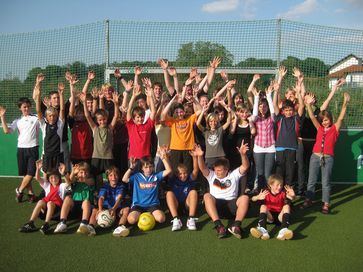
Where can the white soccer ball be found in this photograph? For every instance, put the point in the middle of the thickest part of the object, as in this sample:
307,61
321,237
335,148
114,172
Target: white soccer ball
104,219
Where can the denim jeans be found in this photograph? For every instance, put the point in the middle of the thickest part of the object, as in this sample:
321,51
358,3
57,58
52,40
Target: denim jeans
326,172
264,165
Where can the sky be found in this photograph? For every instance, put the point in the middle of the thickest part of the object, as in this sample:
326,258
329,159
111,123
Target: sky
18,16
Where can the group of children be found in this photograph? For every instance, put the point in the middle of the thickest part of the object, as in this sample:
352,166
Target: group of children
147,141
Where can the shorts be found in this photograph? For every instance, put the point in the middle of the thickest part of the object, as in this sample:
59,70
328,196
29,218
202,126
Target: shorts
56,214
99,166
275,218
52,162
26,160
76,211
145,209
226,208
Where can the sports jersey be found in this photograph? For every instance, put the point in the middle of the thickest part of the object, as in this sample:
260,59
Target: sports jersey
180,188
82,143
81,191
225,188
52,137
145,189
53,196
28,130
275,203
330,137
110,194
139,138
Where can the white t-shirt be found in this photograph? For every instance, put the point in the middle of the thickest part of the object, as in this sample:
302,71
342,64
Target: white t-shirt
46,187
226,188
28,131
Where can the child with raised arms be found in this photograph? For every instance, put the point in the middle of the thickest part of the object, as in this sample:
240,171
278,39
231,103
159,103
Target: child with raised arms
145,186
275,208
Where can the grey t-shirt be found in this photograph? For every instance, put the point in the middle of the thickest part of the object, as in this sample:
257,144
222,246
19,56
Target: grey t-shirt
213,143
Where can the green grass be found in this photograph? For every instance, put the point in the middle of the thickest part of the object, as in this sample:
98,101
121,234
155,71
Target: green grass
321,243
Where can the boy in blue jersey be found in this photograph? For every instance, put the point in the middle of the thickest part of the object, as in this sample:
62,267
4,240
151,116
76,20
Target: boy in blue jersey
182,194
111,197
145,186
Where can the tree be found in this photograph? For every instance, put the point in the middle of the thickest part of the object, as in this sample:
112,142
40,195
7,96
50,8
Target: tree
200,53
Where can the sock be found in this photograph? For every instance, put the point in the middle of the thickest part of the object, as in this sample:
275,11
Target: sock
84,221
64,221
92,225
262,220
237,223
46,224
218,223
285,220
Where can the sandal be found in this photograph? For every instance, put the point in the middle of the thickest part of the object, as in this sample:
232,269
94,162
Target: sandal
307,203
325,208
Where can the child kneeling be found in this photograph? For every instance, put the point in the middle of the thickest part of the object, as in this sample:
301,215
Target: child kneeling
111,197
275,209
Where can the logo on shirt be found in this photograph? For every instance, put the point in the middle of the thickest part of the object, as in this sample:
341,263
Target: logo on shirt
222,185
147,185
212,139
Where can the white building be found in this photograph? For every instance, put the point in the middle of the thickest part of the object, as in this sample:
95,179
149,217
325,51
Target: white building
350,68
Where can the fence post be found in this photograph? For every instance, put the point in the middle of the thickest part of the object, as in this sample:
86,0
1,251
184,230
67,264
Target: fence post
107,49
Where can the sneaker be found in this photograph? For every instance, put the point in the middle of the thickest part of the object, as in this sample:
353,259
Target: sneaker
61,228
32,198
91,229
121,231
191,223
19,195
83,229
260,232
221,231
177,224
28,227
285,234
236,231
45,228
307,204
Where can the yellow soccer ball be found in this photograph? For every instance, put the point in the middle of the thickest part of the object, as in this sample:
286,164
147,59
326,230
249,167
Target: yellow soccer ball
146,221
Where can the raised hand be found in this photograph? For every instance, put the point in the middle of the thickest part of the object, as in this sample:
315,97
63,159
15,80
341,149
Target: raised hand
137,70
39,164
46,101
340,82
91,75
136,90
73,79
231,83
193,73
289,191
129,85
282,71
197,151
132,162
243,148
94,92
346,98
309,99
172,71
68,76
224,75
255,91
101,94
117,73
60,87
262,195
40,77
188,81
256,77
82,97
163,64
146,82
215,62
62,168
163,151
115,97
296,72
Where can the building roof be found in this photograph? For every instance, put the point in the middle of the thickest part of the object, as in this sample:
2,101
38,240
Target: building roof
348,70
343,59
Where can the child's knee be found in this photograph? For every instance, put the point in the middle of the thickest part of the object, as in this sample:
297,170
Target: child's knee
133,217
159,216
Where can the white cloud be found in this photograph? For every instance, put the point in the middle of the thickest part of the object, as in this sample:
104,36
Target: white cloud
305,8
249,9
357,3
220,6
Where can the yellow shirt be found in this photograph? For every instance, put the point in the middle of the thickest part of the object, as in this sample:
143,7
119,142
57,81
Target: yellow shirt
182,134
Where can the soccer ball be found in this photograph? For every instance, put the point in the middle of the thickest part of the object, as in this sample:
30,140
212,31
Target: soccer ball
104,219
146,221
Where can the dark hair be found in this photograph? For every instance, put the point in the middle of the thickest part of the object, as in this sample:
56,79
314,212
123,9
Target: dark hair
221,162
138,111
89,97
24,100
264,101
53,92
101,112
201,94
158,84
325,114
79,109
177,106
140,96
287,104
53,172
146,160
237,94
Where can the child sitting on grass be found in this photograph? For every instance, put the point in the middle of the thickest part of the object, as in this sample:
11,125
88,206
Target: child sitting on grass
78,201
52,202
275,208
145,186
182,194
111,197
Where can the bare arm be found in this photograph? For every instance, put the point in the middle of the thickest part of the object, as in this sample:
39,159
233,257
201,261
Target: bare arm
198,152
137,71
310,99
115,99
164,65
200,119
6,129
195,171
172,72
335,87
61,101
136,91
255,78
245,162
339,121
88,115
167,108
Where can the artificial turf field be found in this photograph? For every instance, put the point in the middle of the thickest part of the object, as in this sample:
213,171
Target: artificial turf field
321,242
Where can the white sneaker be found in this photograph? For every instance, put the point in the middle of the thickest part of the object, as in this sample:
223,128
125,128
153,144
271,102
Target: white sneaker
285,234
121,231
61,228
91,230
191,223
83,229
260,232
177,224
